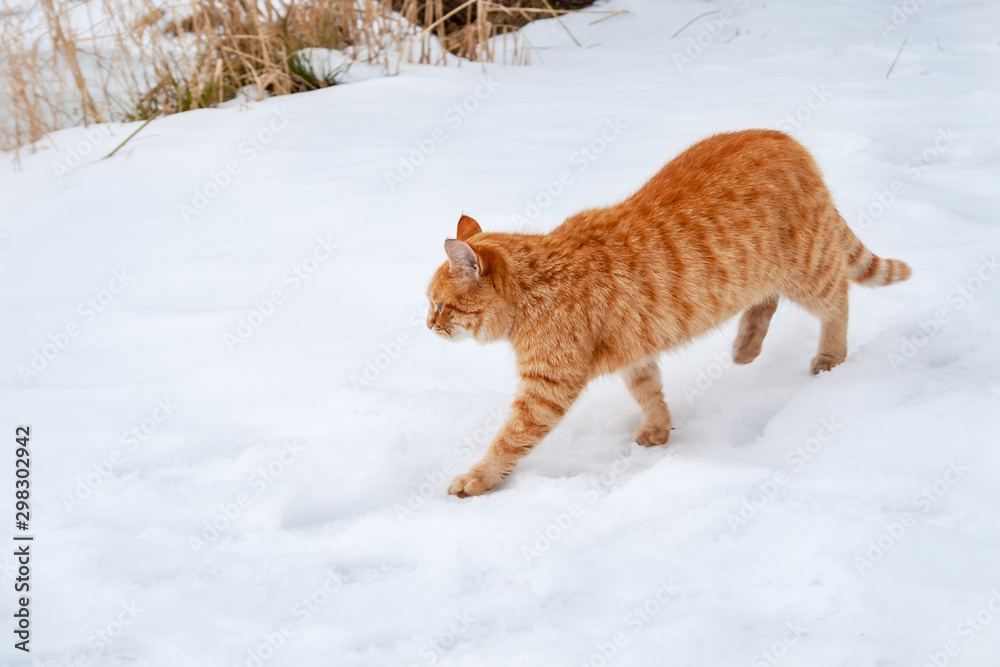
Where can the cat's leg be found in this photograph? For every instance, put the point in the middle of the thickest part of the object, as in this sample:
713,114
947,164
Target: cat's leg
753,328
543,398
826,297
643,381
832,312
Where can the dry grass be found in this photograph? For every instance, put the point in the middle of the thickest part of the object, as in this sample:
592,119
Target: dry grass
72,63
466,28
240,43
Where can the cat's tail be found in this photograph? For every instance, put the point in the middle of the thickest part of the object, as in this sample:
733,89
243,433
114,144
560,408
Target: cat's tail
866,268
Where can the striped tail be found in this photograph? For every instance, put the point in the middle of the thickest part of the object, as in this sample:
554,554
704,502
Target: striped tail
866,268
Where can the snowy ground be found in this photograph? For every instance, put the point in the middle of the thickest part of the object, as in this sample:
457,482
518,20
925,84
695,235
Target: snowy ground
242,433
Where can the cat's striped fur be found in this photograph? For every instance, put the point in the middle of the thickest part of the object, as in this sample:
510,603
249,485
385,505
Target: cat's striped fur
729,226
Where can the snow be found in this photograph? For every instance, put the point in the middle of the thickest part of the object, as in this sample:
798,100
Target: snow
844,519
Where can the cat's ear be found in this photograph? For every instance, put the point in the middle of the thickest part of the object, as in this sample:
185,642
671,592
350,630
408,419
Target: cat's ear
462,258
467,227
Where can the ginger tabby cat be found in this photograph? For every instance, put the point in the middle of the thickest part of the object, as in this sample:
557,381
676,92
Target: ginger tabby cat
728,226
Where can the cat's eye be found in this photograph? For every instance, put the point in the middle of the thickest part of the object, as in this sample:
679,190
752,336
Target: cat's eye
438,307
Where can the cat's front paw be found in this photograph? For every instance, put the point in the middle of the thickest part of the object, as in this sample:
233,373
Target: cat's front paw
650,435
472,483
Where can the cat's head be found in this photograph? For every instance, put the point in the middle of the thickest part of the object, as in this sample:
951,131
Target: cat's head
464,293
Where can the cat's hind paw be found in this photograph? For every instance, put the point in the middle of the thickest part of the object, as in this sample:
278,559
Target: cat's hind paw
744,354
824,362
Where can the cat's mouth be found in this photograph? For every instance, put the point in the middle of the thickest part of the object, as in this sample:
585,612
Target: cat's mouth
453,332
443,331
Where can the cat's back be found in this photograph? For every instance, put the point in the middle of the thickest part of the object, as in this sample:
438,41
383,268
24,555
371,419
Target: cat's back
741,202
724,176
745,190
734,165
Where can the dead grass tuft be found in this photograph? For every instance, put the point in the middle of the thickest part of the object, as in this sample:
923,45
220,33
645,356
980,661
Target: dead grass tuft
66,63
